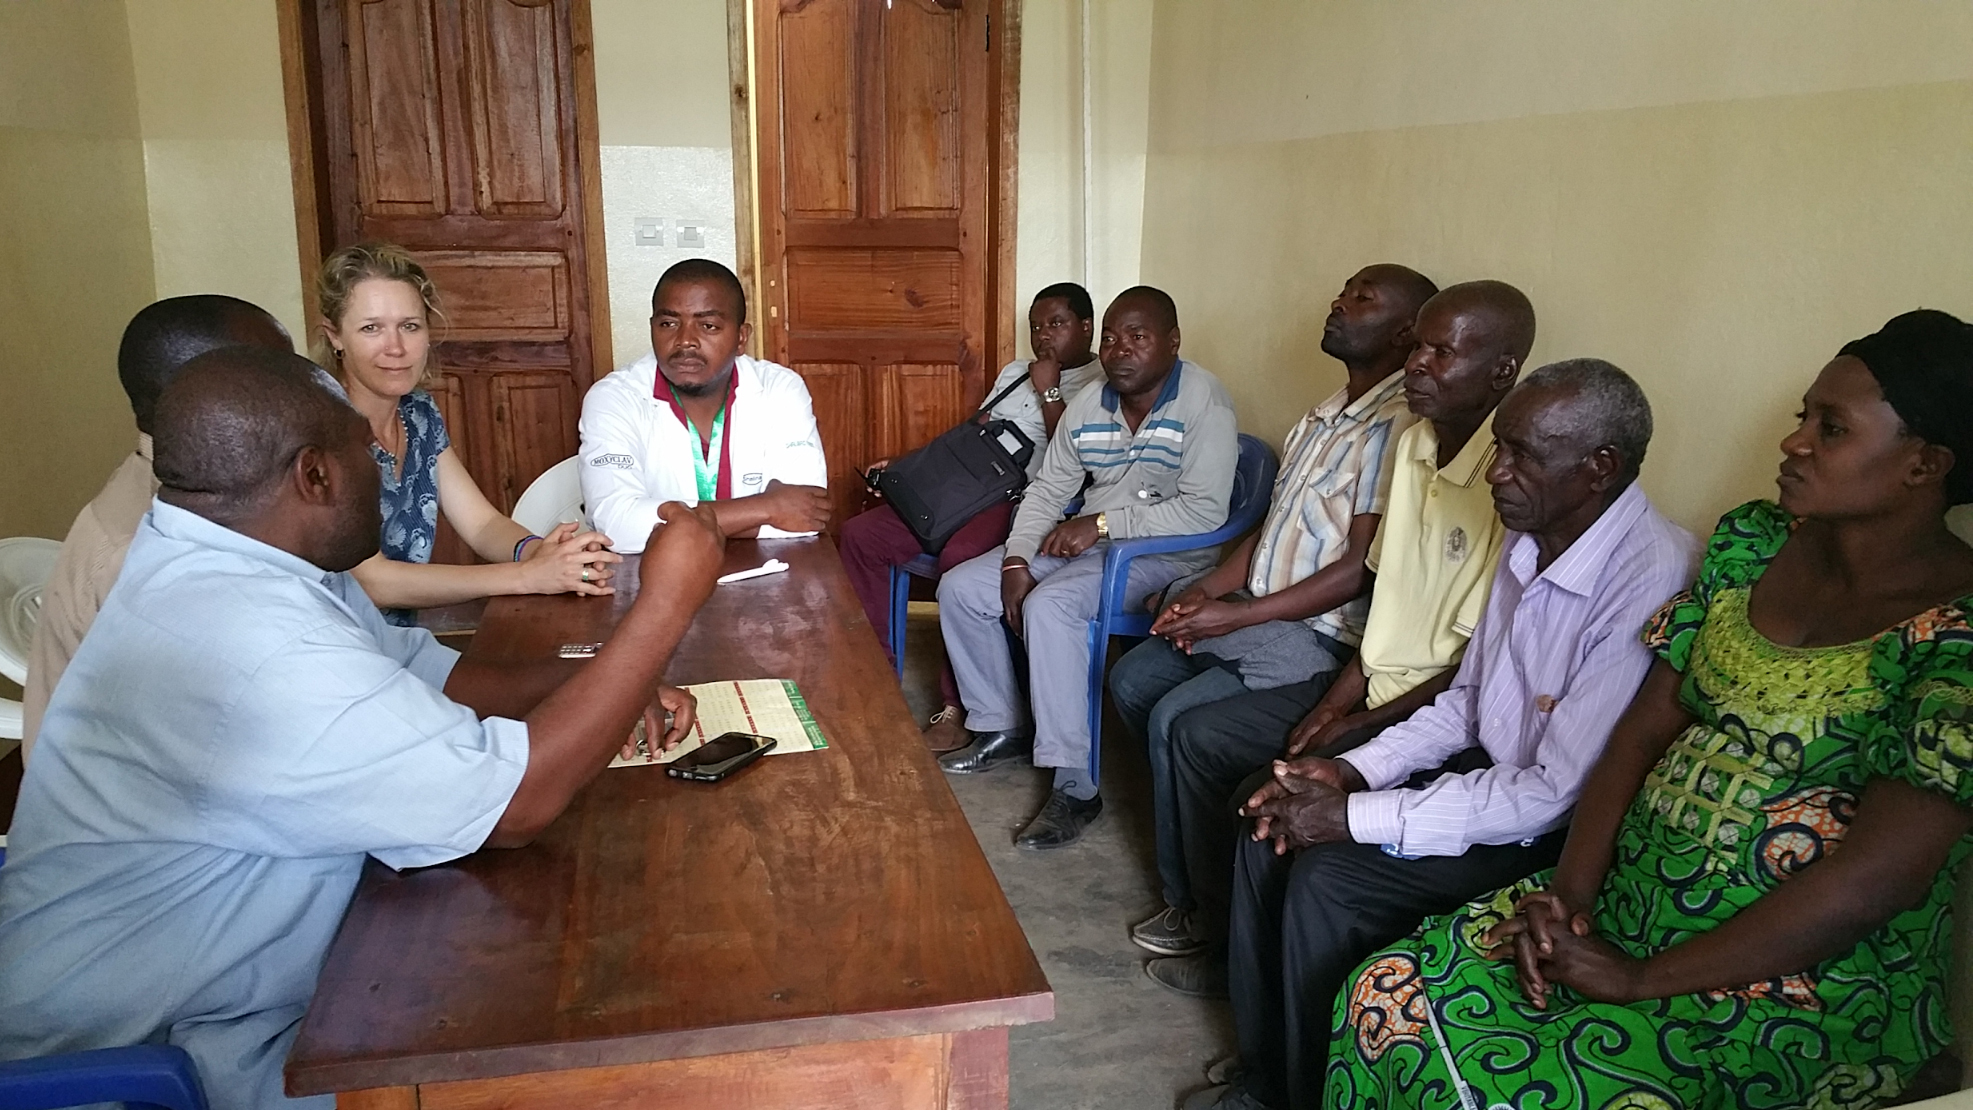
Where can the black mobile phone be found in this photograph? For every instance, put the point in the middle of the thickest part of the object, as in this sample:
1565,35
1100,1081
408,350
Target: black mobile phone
719,757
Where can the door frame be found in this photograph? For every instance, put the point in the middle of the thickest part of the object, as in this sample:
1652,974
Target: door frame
1003,145
301,84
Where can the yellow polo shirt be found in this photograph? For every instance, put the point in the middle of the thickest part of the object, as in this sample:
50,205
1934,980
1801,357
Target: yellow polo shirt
1434,557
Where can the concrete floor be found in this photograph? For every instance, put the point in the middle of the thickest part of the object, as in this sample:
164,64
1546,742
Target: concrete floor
1118,1039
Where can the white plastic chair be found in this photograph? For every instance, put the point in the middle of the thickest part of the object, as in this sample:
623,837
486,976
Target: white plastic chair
25,564
554,498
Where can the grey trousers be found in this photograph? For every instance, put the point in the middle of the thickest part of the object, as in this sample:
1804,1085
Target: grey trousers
1055,619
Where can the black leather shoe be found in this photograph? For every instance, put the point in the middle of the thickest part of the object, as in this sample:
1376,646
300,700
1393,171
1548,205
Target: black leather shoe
987,751
1060,822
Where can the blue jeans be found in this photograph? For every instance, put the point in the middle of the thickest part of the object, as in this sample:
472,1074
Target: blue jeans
1151,686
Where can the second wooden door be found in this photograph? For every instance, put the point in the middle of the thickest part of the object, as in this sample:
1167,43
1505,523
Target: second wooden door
876,127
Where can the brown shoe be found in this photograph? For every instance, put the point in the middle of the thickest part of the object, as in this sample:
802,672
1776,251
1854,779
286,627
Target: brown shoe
947,730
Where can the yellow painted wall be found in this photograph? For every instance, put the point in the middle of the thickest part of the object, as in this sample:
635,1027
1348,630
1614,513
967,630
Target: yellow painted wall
661,73
1050,244
665,129
220,199
75,254
1715,197
1712,196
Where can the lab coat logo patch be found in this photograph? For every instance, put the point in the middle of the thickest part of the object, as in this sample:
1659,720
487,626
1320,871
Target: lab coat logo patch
751,479
1456,546
621,462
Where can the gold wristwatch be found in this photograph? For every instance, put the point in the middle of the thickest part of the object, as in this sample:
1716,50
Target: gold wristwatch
1102,526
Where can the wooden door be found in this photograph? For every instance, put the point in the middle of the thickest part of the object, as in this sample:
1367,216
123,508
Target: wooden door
464,130
877,121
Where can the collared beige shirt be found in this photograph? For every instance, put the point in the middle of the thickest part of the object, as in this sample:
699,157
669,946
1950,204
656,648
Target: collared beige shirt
1434,557
84,572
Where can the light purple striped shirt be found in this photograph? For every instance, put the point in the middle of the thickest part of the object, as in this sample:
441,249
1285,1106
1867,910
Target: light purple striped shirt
1553,664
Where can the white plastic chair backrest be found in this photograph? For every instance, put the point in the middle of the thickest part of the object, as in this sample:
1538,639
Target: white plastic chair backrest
554,498
25,564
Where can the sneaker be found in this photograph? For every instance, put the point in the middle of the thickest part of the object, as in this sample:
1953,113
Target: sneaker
946,732
1167,933
1226,1069
1197,976
1226,1097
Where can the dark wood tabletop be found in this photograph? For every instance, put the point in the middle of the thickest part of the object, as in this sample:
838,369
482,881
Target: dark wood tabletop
819,896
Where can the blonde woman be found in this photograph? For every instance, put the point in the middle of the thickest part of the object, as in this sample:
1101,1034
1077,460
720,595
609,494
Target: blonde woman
376,335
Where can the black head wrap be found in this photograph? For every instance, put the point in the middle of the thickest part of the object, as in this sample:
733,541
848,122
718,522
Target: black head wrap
1923,361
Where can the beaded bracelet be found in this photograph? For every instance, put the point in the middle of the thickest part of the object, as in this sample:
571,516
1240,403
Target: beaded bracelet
520,548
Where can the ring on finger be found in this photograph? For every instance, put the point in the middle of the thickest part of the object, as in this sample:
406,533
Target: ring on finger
585,574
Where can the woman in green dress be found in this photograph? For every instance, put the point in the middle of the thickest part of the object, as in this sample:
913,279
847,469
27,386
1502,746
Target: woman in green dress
1753,909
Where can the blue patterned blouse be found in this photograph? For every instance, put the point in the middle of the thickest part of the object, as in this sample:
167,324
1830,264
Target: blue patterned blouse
410,499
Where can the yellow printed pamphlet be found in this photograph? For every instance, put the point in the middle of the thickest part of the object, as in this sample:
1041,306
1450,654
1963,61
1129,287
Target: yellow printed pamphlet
760,706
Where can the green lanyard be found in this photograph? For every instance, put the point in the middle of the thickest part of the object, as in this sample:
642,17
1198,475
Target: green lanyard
704,462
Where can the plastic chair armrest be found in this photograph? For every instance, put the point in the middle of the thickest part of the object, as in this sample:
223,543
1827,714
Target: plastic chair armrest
1116,562
139,1076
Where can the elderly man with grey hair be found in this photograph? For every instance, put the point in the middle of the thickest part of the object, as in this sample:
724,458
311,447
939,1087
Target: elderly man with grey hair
1474,791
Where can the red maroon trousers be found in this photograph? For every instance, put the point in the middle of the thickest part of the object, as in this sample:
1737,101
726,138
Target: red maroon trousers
874,541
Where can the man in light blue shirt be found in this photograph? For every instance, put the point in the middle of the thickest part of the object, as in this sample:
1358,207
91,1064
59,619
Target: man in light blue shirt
240,729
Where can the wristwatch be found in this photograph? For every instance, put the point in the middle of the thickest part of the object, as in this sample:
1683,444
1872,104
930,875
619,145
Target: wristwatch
1102,526
1052,395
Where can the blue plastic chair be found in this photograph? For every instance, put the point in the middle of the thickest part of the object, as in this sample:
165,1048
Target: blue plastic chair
143,1077
921,566
1253,486
1118,615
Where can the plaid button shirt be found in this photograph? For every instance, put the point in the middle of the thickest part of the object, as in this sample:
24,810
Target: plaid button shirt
1334,467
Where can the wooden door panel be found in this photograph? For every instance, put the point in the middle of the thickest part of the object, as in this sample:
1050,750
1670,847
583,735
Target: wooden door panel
394,108
535,415
516,108
921,109
836,389
461,396
928,402
449,394
818,86
874,121
492,295
873,290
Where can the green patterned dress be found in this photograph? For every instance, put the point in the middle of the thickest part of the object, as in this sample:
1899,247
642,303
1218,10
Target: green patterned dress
1764,784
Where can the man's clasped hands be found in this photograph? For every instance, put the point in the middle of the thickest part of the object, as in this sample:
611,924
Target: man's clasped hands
1550,940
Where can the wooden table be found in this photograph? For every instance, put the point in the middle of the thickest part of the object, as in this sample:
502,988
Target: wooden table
820,930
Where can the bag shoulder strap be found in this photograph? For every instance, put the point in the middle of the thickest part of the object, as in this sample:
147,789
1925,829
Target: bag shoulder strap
1003,394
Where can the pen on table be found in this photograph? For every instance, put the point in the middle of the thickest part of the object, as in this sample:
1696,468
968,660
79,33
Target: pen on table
772,566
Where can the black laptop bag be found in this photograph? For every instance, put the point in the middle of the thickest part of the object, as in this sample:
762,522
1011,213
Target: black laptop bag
949,481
